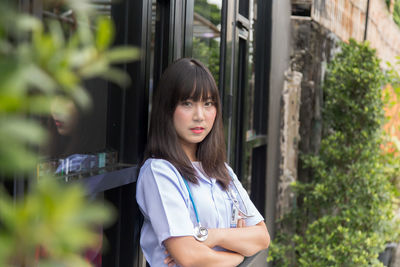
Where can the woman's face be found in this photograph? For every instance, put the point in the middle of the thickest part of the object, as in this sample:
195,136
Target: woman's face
193,121
65,116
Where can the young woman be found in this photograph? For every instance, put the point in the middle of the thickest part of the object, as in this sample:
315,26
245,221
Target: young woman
196,212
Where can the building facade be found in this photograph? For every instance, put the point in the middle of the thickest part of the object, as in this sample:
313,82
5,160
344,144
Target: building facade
245,44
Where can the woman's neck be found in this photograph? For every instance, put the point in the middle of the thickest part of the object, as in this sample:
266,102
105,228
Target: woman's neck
190,151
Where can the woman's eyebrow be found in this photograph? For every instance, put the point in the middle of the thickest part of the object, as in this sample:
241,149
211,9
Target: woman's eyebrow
208,98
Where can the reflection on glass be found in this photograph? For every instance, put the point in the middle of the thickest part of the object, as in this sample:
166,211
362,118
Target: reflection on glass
61,11
76,147
207,33
154,20
249,128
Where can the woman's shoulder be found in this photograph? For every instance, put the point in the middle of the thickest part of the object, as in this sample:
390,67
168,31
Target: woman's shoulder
157,163
157,166
230,170
231,173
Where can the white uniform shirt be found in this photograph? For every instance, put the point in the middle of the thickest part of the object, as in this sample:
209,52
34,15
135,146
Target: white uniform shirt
168,212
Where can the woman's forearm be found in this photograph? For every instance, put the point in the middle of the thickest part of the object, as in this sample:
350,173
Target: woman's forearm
187,252
246,241
220,259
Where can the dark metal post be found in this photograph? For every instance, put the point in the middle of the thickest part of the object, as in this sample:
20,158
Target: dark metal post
366,22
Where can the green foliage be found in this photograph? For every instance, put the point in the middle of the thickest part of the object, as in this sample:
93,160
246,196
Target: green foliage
394,76
34,69
208,53
54,217
208,11
39,62
344,215
396,12
393,153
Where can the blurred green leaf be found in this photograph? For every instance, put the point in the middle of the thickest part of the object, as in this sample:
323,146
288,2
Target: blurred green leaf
36,77
22,129
117,76
57,217
105,33
81,98
122,54
41,64
28,23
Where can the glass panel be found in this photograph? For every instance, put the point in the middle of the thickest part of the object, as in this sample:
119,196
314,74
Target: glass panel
77,138
244,7
155,18
207,33
250,132
76,146
58,10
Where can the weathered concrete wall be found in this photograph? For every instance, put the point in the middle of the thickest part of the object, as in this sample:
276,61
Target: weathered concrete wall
290,137
280,58
313,46
346,18
396,257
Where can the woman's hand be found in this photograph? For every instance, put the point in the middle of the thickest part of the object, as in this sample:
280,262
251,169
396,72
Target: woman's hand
169,260
241,223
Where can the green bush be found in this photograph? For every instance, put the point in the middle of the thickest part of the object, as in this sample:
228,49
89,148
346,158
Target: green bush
396,12
344,215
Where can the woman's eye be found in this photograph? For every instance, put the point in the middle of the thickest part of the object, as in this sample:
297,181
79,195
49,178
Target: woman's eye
186,103
209,104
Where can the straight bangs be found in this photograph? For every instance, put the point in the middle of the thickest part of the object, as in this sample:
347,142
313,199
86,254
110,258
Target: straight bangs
197,84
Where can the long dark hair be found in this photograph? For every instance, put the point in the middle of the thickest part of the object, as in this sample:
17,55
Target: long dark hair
187,78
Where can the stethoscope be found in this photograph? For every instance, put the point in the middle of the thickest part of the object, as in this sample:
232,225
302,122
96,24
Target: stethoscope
200,232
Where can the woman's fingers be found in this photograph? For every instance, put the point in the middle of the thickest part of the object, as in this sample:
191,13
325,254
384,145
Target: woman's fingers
241,223
169,260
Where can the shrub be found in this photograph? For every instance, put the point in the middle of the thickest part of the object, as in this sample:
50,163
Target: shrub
344,215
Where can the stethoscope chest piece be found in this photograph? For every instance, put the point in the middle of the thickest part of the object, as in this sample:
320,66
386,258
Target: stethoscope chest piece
200,233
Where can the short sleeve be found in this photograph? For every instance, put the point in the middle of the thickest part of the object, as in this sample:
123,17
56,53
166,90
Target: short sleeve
162,200
246,199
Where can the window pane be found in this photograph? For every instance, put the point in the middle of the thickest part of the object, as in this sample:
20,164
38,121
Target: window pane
244,7
207,33
249,127
76,147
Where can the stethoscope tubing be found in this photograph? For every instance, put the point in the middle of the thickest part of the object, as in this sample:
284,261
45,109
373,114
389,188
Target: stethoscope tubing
234,201
191,199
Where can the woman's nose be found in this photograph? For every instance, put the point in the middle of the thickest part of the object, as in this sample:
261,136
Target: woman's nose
198,113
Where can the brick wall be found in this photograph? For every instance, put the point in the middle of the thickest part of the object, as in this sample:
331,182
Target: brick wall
346,19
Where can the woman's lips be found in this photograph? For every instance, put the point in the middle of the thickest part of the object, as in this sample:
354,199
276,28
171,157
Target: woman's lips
197,130
58,123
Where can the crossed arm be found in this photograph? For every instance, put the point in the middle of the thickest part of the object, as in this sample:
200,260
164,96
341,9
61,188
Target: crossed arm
241,241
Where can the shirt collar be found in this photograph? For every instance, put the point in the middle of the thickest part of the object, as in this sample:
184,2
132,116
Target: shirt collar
201,173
